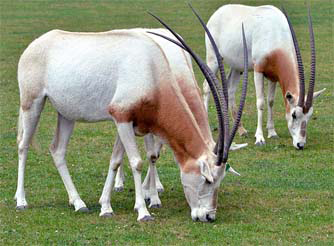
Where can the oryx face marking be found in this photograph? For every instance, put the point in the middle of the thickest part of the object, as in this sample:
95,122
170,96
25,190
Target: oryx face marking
201,195
297,122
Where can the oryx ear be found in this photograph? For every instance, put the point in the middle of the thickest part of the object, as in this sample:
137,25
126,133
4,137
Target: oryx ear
318,93
289,97
206,172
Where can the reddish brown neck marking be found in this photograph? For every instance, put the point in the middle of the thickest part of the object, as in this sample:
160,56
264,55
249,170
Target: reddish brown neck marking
279,66
166,113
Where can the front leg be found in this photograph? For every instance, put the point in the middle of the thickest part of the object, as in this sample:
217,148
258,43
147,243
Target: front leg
258,80
127,136
270,123
149,186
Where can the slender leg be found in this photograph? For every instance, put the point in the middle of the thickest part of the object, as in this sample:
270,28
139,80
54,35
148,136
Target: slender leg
233,81
258,79
127,136
115,164
58,151
28,120
270,123
120,178
157,148
149,188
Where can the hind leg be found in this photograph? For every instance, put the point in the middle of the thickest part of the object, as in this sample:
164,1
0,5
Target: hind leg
28,121
58,152
120,178
116,162
233,81
211,60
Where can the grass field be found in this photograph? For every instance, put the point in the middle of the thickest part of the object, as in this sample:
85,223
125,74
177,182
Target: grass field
283,197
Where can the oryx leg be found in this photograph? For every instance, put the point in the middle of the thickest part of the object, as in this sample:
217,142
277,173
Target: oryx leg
28,120
258,80
157,147
115,164
233,81
211,60
149,186
271,96
127,136
58,151
120,178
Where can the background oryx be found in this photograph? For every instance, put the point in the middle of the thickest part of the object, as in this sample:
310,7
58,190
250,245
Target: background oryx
271,52
121,76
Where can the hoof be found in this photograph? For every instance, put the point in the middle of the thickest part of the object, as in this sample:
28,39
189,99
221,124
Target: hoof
147,218
156,206
119,189
147,200
106,215
83,210
243,134
21,208
273,136
261,143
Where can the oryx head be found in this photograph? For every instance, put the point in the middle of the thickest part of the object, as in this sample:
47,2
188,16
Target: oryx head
301,112
201,184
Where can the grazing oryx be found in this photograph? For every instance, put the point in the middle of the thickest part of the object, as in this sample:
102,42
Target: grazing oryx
123,76
181,67
271,46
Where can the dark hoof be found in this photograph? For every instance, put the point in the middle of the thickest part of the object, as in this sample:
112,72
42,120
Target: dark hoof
274,137
147,200
147,218
260,143
244,134
118,189
83,210
107,215
156,206
21,208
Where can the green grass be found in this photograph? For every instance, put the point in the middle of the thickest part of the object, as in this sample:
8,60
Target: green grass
284,196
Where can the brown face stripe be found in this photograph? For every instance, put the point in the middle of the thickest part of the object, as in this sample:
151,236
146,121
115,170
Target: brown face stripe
303,129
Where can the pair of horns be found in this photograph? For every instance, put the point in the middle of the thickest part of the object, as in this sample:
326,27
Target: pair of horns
308,104
219,92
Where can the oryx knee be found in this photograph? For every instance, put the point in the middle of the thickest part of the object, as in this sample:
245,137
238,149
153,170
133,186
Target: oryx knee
58,156
115,164
136,164
270,102
260,104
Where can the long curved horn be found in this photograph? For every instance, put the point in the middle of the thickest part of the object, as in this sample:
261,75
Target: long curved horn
224,92
309,99
243,93
210,77
299,61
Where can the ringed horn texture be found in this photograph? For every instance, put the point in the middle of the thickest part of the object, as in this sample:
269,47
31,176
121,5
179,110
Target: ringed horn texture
308,104
219,92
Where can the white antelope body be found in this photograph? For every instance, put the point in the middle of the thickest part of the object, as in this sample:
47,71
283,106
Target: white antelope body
271,53
122,76
181,67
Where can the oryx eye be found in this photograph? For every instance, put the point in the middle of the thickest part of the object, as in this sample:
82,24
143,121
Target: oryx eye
294,115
